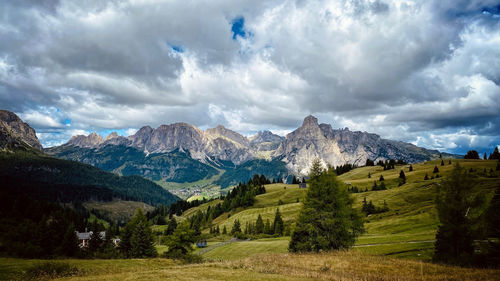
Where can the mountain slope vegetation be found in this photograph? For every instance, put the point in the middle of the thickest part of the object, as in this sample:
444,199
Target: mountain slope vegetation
59,180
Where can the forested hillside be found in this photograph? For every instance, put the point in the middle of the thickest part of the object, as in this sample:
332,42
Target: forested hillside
57,180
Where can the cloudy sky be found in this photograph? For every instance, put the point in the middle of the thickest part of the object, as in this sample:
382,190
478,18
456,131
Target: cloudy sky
426,72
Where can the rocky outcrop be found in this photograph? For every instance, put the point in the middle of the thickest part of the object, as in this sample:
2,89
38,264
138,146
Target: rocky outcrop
13,128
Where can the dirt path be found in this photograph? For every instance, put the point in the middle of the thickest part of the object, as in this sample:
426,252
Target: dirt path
232,240
392,243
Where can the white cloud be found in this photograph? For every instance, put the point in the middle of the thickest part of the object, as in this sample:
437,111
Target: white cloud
403,69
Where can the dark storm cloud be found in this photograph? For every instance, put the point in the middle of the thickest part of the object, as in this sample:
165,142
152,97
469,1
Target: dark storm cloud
419,71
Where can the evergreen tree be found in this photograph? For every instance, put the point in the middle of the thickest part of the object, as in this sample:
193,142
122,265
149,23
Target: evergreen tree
137,237
369,175
278,224
485,157
381,178
327,220
471,154
179,244
426,177
224,230
316,168
449,162
402,178
267,227
495,154
442,162
436,170
259,225
411,168
236,227
171,226
454,201
402,175
142,239
382,186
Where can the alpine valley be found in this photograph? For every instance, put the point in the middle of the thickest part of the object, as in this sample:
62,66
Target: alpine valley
191,162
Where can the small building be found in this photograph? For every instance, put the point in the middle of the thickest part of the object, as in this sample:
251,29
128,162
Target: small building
84,237
302,185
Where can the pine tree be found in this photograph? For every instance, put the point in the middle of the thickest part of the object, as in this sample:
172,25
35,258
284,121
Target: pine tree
259,225
171,226
495,154
402,175
381,178
436,170
327,220
137,237
485,157
449,162
236,227
278,225
267,227
454,201
411,168
369,175
142,239
179,244
471,154
426,177
442,162
224,230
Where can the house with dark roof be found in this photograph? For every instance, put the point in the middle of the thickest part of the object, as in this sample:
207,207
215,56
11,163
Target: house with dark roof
84,237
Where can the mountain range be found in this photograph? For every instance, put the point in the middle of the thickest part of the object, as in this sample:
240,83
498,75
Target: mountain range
181,152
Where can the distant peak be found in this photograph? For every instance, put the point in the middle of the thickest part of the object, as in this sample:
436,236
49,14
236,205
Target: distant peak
112,136
310,120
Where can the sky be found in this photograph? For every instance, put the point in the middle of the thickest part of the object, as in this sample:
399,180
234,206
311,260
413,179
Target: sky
425,72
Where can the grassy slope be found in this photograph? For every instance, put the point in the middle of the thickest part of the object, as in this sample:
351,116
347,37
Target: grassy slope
412,216
329,266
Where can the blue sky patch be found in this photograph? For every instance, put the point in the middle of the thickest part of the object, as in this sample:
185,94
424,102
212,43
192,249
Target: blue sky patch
176,48
238,27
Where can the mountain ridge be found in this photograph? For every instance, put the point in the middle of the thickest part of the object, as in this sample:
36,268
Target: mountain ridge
297,149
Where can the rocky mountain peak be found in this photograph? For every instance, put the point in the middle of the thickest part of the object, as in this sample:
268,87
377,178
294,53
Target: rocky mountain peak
310,121
91,141
12,125
112,136
227,133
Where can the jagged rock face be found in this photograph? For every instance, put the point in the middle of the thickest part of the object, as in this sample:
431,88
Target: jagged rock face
13,126
179,135
307,143
265,141
221,131
91,141
141,137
